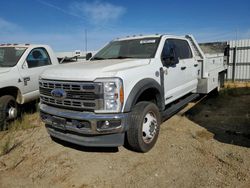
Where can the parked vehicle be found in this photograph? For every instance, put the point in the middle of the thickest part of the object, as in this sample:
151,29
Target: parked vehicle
126,90
20,67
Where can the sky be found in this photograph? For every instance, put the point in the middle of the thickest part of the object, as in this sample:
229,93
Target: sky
66,24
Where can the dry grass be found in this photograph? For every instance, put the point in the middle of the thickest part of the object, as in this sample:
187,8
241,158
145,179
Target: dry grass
236,88
237,85
6,145
28,121
7,138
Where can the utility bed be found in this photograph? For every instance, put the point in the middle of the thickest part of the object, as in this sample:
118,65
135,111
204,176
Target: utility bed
212,60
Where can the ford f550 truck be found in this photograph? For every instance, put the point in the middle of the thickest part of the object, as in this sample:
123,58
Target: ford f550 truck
125,91
20,67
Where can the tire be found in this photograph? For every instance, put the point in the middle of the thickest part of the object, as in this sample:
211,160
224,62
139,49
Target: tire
30,107
144,127
221,81
8,111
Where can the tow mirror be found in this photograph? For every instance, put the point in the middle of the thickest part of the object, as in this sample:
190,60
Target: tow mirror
170,59
88,56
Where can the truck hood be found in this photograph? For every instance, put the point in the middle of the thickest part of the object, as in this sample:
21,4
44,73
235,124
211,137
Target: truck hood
90,70
4,69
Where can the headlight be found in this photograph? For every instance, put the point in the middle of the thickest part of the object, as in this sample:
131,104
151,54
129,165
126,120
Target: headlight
113,95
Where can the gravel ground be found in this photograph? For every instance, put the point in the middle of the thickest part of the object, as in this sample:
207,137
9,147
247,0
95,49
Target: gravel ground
204,145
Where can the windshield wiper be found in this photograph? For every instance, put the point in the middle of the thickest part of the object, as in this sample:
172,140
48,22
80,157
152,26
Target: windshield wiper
120,57
98,58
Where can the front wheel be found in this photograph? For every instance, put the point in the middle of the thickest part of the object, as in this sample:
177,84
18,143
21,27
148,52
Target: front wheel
8,111
144,127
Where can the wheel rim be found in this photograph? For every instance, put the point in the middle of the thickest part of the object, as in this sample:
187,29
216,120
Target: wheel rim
149,127
11,110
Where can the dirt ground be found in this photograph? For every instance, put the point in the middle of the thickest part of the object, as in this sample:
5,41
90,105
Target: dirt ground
204,145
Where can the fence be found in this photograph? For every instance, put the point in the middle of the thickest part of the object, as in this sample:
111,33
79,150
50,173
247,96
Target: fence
239,60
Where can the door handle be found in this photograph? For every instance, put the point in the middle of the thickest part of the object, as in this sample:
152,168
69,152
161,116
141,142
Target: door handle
26,79
195,65
183,68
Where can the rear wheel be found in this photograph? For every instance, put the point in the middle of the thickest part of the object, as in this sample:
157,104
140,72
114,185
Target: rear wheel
221,81
144,127
8,111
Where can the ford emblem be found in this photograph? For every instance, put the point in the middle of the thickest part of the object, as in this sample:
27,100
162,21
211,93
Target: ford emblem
58,94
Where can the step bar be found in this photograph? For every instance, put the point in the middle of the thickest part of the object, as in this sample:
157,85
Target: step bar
167,113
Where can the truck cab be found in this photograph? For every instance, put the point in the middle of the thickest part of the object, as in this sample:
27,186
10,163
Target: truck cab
20,67
126,90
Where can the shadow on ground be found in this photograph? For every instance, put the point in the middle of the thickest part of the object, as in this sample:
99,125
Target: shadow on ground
226,115
86,149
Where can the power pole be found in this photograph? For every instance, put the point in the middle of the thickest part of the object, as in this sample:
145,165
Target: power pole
86,41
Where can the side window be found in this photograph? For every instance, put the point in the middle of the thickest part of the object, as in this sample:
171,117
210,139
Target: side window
38,57
182,49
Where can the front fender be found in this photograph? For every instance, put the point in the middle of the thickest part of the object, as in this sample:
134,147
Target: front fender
139,88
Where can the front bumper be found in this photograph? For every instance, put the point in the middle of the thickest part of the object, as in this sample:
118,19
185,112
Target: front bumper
85,128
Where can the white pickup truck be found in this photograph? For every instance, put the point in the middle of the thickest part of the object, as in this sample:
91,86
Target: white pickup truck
125,91
20,67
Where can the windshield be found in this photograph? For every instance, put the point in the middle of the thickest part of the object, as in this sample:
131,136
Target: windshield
136,48
9,56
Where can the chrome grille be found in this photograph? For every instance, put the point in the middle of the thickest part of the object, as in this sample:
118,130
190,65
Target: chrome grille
80,96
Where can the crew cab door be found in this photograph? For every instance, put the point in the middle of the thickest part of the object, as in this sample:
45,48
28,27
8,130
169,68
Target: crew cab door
36,62
179,77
